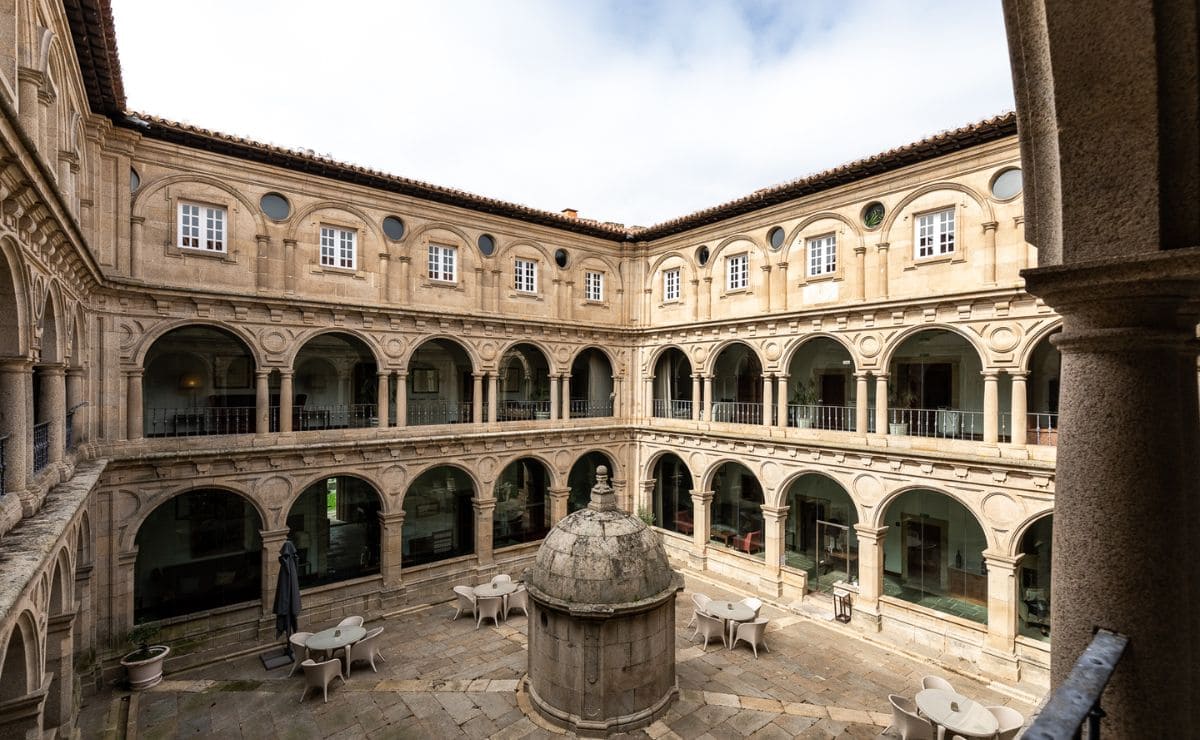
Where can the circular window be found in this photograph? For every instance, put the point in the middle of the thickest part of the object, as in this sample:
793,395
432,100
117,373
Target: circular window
275,206
487,244
393,228
775,237
135,181
1007,184
560,257
702,256
872,215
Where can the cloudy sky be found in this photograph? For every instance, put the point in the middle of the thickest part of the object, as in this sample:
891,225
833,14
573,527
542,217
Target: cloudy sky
629,111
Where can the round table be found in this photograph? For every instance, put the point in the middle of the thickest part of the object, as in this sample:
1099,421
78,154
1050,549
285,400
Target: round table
492,590
732,612
970,718
327,641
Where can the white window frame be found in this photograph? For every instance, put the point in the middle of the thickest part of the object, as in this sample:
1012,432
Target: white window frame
339,247
737,271
443,263
934,233
524,275
671,284
822,254
204,226
593,286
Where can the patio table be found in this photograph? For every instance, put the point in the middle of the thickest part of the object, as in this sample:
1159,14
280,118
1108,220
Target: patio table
730,611
326,641
492,590
957,713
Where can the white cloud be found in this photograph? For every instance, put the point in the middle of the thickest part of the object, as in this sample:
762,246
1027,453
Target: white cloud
629,111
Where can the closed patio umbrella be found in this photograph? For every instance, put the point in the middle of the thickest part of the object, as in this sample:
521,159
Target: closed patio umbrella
287,604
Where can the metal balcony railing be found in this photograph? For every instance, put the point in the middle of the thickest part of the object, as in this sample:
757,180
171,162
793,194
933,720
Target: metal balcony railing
421,413
199,421
522,410
3,461
41,445
944,423
69,432
351,416
837,418
583,409
1075,704
668,409
1042,429
737,412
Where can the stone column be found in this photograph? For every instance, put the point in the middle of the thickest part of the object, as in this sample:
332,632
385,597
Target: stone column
405,277
647,499
649,396
28,82
477,398
999,646
781,401
870,573
137,225
75,400
484,514
768,406
860,273
60,655
881,254
262,402
287,395
391,549
559,499
393,280
54,407
565,395
16,394
861,402
783,285
989,252
272,540
765,301
383,398
385,276
991,408
770,583
83,607
262,273
708,404
701,518
881,404
697,399
1020,409
120,620
289,265
493,395
133,404
554,404
695,301
616,398
707,295
401,398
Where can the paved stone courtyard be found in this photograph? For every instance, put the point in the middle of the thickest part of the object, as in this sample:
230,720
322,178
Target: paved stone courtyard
444,679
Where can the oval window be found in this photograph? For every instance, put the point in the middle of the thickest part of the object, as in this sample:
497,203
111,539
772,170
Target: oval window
560,257
1007,184
872,215
775,237
393,228
275,206
135,181
702,256
487,244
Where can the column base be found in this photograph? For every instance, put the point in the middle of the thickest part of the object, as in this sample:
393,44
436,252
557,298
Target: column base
770,585
698,560
866,622
1002,665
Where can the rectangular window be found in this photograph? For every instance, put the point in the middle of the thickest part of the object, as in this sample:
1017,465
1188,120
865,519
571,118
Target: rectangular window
337,247
525,276
594,286
935,233
441,263
822,255
671,285
201,227
737,272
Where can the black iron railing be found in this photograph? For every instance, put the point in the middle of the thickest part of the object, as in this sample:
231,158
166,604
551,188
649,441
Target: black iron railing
3,461
672,409
421,412
200,421
584,409
522,410
352,416
41,445
69,431
836,418
1075,705
945,423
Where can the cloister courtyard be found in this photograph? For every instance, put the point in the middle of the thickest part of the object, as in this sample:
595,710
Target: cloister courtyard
445,679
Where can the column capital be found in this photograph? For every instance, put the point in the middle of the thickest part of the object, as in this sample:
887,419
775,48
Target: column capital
559,490
478,375
864,375
782,265
59,623
882,247
273,535
402,374
53,368
383,373
990,374
1000,560
703,497
75,372
860,250
990,225
260,374
285,372
1018,374
17,365
867,532
880,376
781,376
483,505
775,513
395,517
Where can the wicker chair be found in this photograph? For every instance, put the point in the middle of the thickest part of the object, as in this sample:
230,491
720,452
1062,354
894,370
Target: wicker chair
318,676
906,722
465,603
518,599
708,627
1010,721
365,649
753,603
488,608
299,642
351,622
701,601
933,682
752,632
502,578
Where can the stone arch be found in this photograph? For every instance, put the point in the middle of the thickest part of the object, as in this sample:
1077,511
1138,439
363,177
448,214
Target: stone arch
62,592
512,246
710,472
78,337
652,461
725,344
877,518
15,311
715,254
886,231
778,495
522,512
1032,342
502,463
141,198
790,350
1019,531
51,326
541,346
21,661
790,240
582,484
688,263
467,347
346,544
377,353
612,361
154,501
894,343
83,541
235,330
476,484
297,219
439,517
657,353
419,232
342,471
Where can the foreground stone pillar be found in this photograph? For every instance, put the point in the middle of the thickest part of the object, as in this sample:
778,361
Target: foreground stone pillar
493,394
477,398
770,583
485,509
401,398
697,400
286,396
554,404
870,574
861,403
1000,645
133,404
881,403
701,517
16,381
391,549
262,402
383,399
648,397
991,408
565,395
559,500
1019,409
708,403
781,401
767,405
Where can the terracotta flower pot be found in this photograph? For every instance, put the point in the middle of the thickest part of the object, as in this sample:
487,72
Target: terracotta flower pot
146,672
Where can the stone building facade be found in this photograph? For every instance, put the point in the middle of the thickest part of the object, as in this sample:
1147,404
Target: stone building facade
211,345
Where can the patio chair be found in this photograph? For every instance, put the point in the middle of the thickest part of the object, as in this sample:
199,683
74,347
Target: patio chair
683,522
709,627
933,682
365,649
701,601
518,599
502,578
906,722
1010,721
299,642
318,676
488,608
351,622
751,632
750,542
465,603
753,603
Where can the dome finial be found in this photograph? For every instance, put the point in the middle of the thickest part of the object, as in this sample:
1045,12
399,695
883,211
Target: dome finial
603,498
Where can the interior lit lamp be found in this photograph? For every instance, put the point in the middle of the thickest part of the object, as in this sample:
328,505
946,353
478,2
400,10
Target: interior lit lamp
190,383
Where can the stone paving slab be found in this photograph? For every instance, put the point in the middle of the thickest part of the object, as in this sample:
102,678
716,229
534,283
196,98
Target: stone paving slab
446,679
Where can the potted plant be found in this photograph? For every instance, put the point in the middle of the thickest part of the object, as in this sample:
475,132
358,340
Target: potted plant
900,398
144,665
804,394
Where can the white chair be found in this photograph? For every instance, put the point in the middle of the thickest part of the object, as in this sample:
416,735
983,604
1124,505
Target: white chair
351,622
906,722
1010,721
752,632
752,603
709,627
518,599
465,603
701,602
365,649
488,607
502,578
318,676
299,642
933,682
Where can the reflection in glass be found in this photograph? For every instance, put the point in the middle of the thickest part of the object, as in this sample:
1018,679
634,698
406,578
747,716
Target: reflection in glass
335,527
583,476
819,535
673,495
1033,599
439,520
737,509
521,513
